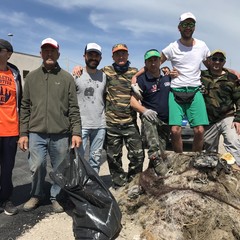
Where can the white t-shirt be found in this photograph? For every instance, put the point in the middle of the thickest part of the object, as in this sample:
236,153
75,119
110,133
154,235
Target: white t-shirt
90,94
187,60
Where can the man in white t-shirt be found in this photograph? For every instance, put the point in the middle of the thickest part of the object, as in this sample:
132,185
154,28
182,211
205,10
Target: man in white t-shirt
91,87
186,55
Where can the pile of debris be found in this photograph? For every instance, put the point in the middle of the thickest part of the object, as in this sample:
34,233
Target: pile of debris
192,201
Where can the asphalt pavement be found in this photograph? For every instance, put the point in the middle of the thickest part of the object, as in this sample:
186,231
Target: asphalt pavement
13,226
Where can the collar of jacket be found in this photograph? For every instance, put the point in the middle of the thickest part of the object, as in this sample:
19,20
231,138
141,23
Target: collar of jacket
55,70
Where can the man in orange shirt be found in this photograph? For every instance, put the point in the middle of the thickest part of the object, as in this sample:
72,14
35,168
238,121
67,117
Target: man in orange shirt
10,96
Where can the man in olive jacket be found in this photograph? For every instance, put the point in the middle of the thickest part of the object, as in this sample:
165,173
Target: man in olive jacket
49,121
221,91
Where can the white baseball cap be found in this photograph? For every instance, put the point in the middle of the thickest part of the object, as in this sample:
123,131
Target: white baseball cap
50,41
187,15
93,47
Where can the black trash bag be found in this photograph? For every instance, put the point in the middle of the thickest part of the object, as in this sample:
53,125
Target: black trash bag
96,214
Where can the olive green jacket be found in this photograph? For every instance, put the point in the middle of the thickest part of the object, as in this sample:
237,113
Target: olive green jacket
222,95
49,103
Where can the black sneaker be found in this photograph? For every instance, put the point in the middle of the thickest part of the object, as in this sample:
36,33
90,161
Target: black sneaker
1,207
9,208
159,166
119,180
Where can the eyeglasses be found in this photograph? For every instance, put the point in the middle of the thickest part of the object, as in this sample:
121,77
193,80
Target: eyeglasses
187,24
219,59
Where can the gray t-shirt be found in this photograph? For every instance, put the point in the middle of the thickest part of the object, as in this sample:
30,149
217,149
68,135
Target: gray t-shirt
90,93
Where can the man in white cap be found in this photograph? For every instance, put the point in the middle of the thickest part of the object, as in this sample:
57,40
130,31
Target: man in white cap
186,55
91,87
49,121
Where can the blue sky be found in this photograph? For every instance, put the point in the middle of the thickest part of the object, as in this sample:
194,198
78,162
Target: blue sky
141,24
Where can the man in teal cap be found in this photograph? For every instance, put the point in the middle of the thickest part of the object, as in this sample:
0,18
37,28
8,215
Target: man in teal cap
153,109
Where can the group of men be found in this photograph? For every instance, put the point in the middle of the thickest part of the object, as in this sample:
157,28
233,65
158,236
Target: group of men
210,99
100,107
50,121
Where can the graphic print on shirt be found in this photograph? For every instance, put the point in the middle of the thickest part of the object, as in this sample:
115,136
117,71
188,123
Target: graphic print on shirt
154,88
8,105
5,93
89,91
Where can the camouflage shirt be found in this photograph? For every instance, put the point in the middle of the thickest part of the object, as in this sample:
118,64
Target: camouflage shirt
118,109
222,95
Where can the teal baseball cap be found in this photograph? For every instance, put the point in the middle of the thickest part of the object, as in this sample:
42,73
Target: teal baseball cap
152,53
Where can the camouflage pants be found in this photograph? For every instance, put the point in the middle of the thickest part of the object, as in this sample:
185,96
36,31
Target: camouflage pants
117,135
156,135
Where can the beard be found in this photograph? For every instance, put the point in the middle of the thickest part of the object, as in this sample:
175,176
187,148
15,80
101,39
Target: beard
92,64
186,35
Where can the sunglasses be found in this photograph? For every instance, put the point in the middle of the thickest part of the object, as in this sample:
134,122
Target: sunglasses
119,45
3,50
219,59
189,24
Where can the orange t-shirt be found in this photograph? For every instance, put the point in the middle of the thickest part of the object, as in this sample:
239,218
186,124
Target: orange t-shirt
8,105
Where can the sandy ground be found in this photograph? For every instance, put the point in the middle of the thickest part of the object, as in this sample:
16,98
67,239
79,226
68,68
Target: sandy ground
59,226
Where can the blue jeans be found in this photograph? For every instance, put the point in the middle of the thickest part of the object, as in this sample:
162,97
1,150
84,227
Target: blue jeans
57,146
96,140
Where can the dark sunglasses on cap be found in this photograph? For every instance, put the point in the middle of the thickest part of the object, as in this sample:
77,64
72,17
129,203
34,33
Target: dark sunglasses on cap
120,45
187,24
219,59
